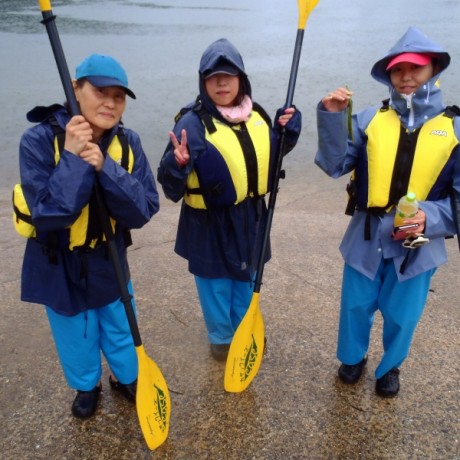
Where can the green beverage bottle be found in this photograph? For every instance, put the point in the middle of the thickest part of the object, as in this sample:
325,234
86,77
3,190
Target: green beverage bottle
407,208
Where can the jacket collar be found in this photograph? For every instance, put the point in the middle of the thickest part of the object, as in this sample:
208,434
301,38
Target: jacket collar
426,103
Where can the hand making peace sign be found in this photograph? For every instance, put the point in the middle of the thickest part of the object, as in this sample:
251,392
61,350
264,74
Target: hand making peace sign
180,148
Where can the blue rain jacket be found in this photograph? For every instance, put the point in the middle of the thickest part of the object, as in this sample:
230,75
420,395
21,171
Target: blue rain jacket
56,193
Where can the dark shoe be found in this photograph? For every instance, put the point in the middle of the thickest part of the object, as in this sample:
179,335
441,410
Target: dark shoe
351,373
128,390
85,403
387,386
219,351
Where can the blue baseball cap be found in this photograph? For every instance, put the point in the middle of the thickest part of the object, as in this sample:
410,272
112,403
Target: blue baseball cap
102,71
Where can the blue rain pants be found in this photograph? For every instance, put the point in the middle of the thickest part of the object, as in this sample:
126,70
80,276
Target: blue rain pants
80,339
224,303
400,303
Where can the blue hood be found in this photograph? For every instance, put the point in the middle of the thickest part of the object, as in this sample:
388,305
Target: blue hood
426,102
215,53
218,52
413,41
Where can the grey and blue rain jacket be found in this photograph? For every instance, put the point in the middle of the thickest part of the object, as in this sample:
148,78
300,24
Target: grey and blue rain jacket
338,155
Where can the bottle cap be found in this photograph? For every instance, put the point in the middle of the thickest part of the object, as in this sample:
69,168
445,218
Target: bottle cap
410,196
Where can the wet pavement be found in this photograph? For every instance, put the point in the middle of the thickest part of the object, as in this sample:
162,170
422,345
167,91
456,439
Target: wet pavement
295,408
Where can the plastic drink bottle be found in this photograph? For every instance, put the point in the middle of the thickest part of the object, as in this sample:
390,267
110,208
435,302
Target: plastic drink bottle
407,208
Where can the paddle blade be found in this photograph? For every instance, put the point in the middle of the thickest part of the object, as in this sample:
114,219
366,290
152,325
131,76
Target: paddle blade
45,5
246,350
152,401
305,8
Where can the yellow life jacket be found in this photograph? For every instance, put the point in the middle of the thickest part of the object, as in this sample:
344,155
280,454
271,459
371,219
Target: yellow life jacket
399,160
433,149
235,165
119,150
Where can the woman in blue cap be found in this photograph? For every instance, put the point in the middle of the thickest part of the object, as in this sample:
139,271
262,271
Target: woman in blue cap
219,161
410,143
66,265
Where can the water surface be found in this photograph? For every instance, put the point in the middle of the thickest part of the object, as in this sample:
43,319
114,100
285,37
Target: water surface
160,44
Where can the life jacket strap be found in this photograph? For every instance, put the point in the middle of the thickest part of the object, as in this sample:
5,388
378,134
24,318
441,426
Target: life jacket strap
205,117
452,111
250,158
352,191
198,108
385,105
21,216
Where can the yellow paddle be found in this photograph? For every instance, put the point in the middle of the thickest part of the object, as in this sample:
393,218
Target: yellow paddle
152,397
246,350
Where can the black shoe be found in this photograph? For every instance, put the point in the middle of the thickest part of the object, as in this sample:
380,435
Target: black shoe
387,386
85,403
219,351
351,373
128,390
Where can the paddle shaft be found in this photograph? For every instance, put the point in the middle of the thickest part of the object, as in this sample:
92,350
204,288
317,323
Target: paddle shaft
277,173
55,41
74,109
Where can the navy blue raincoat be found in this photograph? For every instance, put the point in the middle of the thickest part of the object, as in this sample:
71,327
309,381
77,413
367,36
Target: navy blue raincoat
73,281
221,242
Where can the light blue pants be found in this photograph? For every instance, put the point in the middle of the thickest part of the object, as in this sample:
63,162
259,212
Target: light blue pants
224,303
80,339
400,303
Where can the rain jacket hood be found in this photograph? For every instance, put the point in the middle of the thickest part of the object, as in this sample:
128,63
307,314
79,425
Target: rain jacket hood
218,52
413,41
426,102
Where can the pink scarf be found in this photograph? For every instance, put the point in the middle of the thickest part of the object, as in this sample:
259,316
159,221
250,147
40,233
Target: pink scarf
237,113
